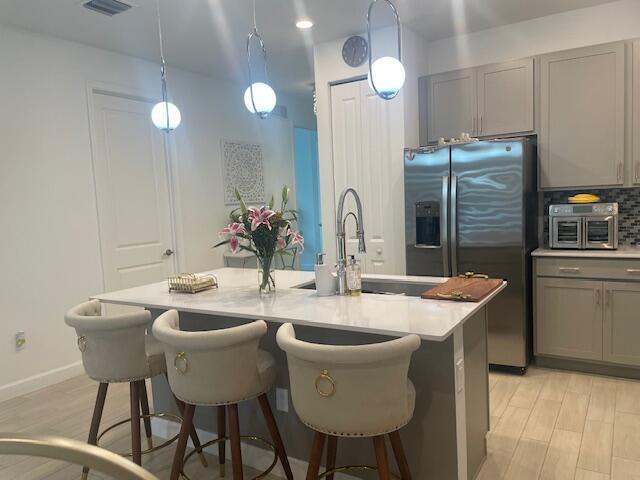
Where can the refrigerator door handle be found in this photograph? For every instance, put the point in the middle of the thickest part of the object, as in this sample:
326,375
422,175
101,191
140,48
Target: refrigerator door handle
444,221
454,225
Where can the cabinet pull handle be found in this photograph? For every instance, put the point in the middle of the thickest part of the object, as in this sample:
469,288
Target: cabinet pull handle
569,270
598,297
481,124
633,271
635,170
607,298
473,125
619,172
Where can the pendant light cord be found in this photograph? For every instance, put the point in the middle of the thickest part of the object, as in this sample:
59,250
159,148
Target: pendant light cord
163,68
255,25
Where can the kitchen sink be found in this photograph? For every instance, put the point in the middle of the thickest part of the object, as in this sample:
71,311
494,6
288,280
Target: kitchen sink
386,287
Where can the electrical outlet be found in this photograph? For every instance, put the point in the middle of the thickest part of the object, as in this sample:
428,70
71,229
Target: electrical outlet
21,340
282,399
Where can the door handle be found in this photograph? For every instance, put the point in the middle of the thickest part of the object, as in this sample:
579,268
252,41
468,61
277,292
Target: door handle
620,172
607,298
168,252
633,271
454,225
481,124
598,297
635,170
444,222
473,125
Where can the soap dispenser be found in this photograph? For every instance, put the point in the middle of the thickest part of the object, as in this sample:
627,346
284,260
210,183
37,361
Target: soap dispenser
354,277
325,281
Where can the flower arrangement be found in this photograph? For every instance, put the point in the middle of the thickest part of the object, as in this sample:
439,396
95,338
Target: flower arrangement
263,231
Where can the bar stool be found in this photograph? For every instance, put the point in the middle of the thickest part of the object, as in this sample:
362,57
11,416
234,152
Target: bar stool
219,368
351,391
117,349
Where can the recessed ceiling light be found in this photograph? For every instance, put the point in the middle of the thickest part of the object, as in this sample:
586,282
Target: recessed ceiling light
304,24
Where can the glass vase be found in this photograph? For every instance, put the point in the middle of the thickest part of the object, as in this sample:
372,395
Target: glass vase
266,276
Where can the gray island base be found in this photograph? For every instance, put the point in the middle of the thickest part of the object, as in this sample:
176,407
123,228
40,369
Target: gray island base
445,440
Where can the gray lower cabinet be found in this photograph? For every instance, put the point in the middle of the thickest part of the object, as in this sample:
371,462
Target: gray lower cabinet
569,318
588,309
621,332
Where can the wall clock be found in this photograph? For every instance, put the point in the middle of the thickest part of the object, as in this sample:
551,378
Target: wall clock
355,51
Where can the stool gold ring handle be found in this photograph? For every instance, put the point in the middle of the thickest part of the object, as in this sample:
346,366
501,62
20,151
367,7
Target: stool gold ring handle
324,377
82,343
181,362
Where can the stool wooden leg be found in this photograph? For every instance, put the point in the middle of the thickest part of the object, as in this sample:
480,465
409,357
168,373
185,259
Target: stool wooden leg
136,449
185,428
398,452
332,451
95,421
275,435
144,405
316,456
222,432
234,433
192,433
381,458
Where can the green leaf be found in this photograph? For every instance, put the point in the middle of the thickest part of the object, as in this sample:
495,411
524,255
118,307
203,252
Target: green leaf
285,197
224,242
271,202
243,207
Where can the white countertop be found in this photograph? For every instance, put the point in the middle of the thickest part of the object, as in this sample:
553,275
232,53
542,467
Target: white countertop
392,315
624,251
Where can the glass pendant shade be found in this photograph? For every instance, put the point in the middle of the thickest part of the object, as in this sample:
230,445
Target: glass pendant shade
166,116
264,99
388,75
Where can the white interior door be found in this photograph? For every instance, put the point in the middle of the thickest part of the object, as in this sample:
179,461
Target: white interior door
134,209
368,157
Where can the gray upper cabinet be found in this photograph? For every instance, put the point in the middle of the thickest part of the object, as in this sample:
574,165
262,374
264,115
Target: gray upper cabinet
621,329
451,104
582,117
505,98
635,176
569,318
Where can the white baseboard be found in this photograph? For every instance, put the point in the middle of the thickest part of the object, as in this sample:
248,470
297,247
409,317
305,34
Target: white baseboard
252,456
41,380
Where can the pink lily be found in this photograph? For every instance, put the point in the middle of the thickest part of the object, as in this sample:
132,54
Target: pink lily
283,232
232,230
259,216
234,244
297,239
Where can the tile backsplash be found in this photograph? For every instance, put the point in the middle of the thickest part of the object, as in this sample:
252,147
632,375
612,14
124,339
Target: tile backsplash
629,210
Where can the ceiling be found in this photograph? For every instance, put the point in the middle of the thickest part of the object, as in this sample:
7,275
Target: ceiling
208,36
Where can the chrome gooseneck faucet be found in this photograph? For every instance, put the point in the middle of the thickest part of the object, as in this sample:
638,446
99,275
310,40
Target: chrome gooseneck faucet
341,239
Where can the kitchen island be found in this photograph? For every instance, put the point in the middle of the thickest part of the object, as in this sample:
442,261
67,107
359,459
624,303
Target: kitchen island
445,439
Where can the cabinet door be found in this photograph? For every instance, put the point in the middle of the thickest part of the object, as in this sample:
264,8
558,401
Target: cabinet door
635,176
582,117
569,318
622,323
452,104
505,98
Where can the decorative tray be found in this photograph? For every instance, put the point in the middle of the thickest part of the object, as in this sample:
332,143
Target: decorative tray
192,283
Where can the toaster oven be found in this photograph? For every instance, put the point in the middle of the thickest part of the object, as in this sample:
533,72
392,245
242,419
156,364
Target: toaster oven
584,226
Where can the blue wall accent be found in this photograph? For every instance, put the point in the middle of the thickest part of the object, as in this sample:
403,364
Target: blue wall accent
308,194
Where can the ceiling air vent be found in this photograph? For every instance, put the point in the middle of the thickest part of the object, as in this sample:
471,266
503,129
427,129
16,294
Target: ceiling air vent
107,7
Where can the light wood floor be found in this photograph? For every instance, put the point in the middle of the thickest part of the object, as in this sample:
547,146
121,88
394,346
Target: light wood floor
65,409
553,425
547,425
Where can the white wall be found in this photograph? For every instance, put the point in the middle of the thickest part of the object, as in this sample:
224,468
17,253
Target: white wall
588,26
329,69
49,250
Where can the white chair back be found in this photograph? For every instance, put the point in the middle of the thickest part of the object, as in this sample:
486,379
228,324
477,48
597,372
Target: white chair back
213,367
113,347
75,452
360,390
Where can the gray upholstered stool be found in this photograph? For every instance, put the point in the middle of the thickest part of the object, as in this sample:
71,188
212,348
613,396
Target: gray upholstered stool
117,349
219,368
352,391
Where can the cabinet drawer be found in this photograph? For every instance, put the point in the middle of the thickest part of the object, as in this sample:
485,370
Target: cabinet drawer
622,269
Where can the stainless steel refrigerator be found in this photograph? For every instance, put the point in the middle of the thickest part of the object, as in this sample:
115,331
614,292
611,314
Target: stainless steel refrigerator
473,208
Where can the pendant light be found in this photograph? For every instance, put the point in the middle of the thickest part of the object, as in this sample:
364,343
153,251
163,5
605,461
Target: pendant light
259,97
164,115
386,74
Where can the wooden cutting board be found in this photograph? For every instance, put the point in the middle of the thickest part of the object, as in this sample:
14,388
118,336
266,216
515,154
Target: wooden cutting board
463,289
